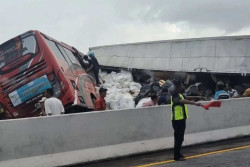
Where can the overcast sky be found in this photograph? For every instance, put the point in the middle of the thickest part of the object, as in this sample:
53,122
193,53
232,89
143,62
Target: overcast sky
83,23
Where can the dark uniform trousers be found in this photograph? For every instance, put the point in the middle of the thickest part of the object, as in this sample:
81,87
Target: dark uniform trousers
96,73
179,130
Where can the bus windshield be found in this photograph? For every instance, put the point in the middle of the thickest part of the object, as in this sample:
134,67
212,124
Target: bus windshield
17,47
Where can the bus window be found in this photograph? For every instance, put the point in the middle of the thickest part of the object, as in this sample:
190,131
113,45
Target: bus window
66,57
29,45
54,48
59,55
75,63
16,48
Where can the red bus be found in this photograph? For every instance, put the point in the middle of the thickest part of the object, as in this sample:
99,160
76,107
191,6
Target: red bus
33,62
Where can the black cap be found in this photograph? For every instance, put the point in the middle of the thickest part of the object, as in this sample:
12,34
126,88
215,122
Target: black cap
102,90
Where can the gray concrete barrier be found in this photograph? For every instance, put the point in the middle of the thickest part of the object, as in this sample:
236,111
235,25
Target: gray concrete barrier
67,139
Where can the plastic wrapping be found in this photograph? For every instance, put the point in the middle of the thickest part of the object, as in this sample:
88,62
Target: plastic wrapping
121,90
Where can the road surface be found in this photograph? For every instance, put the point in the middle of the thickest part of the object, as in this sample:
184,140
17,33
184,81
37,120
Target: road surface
228,153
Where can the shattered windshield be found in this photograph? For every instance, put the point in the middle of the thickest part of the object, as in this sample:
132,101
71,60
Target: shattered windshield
17,47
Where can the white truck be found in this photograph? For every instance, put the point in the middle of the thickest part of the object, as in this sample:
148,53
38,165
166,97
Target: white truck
228,54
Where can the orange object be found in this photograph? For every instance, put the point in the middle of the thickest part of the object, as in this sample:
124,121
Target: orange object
247,93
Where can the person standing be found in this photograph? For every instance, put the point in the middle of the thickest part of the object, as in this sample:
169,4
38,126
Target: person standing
100,103
93,65
220,92
179,114
93,58
52,105
41,102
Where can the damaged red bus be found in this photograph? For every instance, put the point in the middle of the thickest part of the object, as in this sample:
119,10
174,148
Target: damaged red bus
33,62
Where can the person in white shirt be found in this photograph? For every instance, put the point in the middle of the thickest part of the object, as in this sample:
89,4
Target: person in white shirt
52,105
232,92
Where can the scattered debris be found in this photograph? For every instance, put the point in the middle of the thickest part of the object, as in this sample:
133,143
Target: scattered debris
121,89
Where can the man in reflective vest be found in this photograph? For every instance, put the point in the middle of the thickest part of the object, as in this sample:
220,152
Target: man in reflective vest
179,114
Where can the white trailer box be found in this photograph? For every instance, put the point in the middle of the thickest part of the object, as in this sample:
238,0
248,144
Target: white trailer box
230,54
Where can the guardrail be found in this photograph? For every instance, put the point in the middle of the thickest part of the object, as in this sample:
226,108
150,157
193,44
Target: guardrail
75,138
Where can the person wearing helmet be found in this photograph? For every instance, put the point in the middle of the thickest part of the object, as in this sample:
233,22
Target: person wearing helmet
93,58
93,65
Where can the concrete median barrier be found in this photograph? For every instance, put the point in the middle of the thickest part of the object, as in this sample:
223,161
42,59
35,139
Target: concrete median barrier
77,138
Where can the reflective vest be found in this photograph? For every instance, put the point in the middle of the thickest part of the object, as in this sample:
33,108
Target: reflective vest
178,111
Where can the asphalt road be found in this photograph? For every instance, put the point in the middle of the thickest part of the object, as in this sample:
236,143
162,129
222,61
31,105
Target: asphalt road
236,158
228,153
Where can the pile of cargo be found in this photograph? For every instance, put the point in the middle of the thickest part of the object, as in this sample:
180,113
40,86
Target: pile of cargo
121,89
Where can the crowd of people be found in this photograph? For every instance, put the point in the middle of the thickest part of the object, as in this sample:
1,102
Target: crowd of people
192,93
223,91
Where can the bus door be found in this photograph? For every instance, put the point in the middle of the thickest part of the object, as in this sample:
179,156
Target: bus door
85,86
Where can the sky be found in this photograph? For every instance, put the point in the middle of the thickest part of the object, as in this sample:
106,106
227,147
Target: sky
85,24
